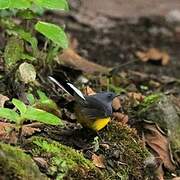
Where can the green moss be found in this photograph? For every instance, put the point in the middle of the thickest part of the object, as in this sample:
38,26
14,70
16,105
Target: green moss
13,52
64,161
148,101
116,89
15,164
130,162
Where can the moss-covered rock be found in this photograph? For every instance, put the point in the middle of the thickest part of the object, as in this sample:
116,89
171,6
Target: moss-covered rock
164,113
126,154
13,52
64,162
15,164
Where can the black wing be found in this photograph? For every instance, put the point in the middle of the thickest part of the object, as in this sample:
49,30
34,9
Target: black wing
94,108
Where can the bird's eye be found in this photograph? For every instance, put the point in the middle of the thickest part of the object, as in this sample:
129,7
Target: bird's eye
110,96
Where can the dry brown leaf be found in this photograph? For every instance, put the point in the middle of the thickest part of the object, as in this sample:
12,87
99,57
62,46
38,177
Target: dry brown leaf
116,103
98,161
8,133
136,96
88,91
41,162
105,146
154,55
159,143
176,178
71,59
123,118
28,131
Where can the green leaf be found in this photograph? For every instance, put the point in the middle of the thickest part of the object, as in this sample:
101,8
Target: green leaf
30,98
44,101
19,4
27,57
53,4
42,116
9,114
19,105
42,96
26,14
28,37
14,4
53,32
4,4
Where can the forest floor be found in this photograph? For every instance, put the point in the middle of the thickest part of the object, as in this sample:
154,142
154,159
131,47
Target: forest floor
134,47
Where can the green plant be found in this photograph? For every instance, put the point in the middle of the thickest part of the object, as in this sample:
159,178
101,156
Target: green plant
28,12
62,158
43,100
28,113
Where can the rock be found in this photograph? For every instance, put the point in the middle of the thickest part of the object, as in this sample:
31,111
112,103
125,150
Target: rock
173,16
126,154
163,112
15,164
64,162
13,52
27,72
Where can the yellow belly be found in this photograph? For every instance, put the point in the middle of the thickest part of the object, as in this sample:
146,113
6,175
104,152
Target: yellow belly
95,125
100,123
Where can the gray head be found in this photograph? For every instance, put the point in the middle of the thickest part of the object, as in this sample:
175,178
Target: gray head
106,97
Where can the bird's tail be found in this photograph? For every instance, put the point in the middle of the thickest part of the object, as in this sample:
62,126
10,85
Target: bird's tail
68,88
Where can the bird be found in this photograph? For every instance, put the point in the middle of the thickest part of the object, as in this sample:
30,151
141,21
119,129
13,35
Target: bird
94,111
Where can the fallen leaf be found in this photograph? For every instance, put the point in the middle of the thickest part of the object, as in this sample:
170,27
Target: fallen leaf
123,118
98,161
88,91
8,133
116,103
41,162
154,55
105,146
3,99
136,96
29,131
176,178
159,143
71,59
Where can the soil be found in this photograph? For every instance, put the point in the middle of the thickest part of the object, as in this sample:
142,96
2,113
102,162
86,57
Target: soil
111,39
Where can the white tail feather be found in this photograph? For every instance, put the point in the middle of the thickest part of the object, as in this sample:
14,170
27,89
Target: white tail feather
56,82
77,91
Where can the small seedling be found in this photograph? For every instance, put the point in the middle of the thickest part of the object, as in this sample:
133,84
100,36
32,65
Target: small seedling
28,113
28,12
42,102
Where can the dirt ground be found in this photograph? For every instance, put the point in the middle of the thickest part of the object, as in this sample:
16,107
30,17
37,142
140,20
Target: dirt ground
128,8
108,33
